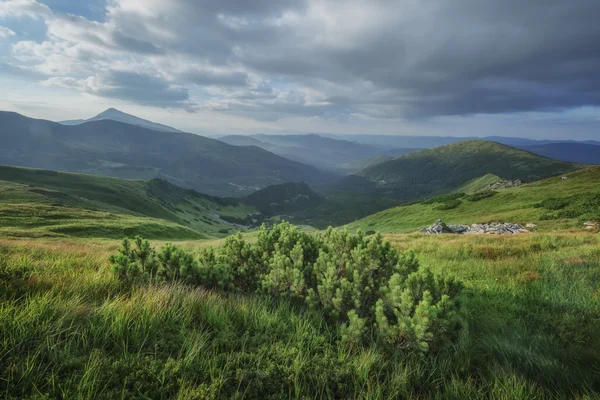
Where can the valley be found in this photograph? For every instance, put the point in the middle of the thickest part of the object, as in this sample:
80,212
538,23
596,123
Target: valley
228,301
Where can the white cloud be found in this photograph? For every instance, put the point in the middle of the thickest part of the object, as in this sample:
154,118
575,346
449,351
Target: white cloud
24,8
5,32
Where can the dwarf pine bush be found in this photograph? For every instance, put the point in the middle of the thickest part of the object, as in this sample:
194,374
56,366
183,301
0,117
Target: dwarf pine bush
141,263
364,285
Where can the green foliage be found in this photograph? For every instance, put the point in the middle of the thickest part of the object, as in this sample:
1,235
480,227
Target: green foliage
449,205
69,330
443,198
141,262
98,206
176,264
484,194
450,167
284,198
556,203
360,283
582,206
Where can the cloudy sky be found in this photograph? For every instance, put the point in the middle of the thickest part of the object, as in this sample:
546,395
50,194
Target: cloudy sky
430,67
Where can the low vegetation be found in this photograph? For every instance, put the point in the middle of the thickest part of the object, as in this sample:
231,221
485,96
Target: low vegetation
553,203
366,286
71,328
449,167
59,204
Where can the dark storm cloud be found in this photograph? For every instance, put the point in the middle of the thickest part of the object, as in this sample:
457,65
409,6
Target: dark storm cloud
379,58
141,88
136,45
216,78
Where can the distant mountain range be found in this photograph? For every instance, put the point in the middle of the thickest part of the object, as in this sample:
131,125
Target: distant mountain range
113,148
425,142
116,115
349,153
322,152
568,151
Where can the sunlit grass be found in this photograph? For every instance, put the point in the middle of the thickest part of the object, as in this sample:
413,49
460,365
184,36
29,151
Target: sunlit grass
69,330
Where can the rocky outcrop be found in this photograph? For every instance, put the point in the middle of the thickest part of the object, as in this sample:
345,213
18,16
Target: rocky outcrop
505,184
591,225
494,228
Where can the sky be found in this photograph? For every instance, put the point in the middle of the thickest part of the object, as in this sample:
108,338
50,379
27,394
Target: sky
402,67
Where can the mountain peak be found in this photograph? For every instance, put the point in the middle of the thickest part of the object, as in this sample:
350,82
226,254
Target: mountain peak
120,116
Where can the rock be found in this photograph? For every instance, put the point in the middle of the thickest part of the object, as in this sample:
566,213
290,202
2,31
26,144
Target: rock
531,226
504,184
494,228
589,225
437,228
458,228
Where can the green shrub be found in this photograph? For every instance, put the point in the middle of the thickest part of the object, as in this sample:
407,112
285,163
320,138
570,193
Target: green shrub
444,198
583,206
132,264
176,264
484,194
358,282
449,205
141,263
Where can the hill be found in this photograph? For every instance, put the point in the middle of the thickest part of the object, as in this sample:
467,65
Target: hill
443,169
573,152
551,203
322,152
117,115
478,184
425,142
122,150
363,163
283,198
49,203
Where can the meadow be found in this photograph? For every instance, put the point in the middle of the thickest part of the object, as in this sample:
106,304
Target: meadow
70,329
552,204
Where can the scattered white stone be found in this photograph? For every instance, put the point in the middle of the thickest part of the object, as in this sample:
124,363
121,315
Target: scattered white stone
494,228
591,225
504,184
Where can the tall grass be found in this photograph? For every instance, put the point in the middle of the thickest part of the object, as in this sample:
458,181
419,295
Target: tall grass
69,330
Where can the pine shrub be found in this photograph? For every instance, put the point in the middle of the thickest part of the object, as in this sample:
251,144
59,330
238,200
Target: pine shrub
358,282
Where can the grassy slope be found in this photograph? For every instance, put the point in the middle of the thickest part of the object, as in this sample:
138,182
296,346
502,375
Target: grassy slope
357,165
513,205
446,168
477,184
52,203
70,331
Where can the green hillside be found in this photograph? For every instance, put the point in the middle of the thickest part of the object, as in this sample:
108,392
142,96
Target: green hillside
477,184
444,169
286,197
363,163
123,150
551,203
47,203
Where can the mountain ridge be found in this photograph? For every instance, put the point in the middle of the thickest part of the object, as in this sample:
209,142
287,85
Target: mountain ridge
455,164
113,148
120,116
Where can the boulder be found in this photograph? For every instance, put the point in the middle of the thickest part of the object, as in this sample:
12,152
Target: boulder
590,225
494,228
504,184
